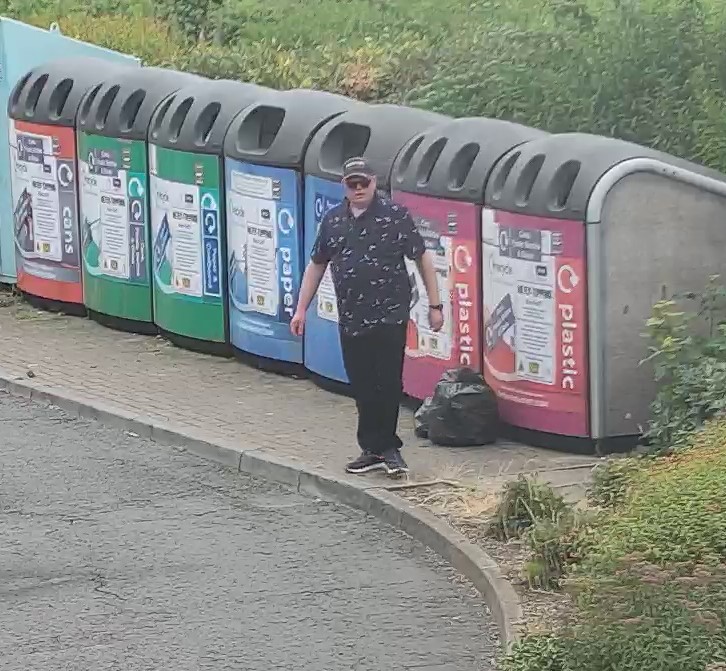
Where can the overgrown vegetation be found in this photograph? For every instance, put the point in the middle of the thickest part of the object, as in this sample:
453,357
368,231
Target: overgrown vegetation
650,577
651,71
688,353
647,571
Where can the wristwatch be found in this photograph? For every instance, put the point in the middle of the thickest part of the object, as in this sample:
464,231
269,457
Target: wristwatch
438,307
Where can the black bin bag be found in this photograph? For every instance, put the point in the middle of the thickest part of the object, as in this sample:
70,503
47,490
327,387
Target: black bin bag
461,413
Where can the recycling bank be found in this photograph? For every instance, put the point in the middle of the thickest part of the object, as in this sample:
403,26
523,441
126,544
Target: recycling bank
113,124
187,211
376,132
264,151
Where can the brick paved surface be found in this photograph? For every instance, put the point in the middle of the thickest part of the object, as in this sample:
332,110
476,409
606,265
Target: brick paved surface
287,417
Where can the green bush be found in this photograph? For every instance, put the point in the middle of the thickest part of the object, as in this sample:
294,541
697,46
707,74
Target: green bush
149,39
524,502
549,527
688,355
538,653
602,72
611,481
650,581
674,512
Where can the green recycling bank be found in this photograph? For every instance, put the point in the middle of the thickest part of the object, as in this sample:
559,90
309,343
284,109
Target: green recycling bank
187,211
113,123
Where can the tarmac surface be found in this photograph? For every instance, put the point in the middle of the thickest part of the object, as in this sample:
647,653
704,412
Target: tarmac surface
117,553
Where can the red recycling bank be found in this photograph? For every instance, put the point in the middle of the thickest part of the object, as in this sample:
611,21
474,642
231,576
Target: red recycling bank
534,341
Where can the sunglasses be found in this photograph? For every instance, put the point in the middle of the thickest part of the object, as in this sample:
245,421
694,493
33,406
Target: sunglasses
358,183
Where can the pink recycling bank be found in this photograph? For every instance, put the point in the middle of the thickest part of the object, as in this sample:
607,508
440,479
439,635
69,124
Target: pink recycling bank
440,176
450,230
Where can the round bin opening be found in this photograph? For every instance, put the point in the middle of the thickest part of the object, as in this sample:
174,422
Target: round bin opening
259,130
345,141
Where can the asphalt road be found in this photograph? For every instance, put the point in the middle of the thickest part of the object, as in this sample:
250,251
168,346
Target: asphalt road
120,554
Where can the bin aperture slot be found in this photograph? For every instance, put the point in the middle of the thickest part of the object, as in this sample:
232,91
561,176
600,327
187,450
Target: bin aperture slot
526,180
130,110
20,87
205,123
461,165
562,183
428,162
500,179
104,107
31,102
259,130
88,103
179,117
345,141
408,155
161,114
59,97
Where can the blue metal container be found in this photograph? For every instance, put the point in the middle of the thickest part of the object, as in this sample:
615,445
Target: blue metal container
264,153
378,133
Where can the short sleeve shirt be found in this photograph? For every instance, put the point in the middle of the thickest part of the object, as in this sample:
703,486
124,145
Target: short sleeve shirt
367,262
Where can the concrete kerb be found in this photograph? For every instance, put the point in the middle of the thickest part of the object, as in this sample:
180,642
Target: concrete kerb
465,557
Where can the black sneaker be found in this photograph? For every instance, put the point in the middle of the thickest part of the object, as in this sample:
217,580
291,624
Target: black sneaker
366,463
395,465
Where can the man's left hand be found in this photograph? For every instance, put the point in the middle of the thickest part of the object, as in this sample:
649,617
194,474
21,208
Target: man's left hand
436,319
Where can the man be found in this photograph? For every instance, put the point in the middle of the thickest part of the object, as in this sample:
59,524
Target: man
365,240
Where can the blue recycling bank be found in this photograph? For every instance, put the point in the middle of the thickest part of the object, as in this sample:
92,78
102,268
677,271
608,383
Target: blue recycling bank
264,256
264,153
378,133
323,355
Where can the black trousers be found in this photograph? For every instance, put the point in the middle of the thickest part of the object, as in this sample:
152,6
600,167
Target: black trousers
374,364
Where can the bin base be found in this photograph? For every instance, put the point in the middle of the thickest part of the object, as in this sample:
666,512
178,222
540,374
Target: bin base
570,444
333,386
263,363
50,305
220,349
122,324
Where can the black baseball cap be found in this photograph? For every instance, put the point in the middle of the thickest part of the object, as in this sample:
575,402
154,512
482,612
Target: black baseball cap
357,167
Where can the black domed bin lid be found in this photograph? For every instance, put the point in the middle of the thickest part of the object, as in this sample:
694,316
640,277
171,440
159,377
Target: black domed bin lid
376,132
197,117
123,105
278,130
454,160
554,176
52,93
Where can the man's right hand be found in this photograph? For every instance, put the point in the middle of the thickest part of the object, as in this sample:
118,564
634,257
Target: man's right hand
297,324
